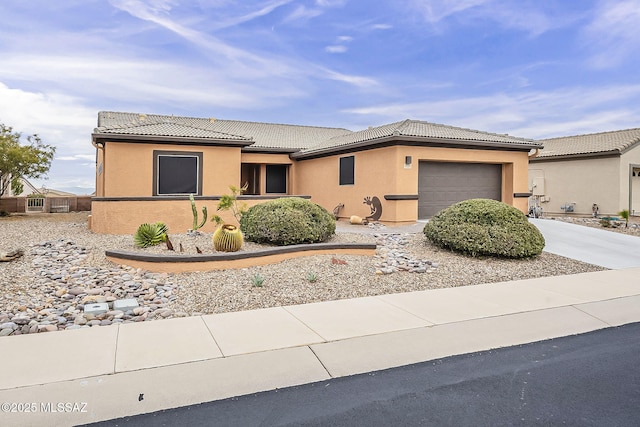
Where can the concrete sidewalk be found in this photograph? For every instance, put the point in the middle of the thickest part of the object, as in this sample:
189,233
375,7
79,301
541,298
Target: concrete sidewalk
87,375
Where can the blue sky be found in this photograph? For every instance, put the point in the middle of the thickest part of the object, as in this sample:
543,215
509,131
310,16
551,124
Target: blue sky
530,68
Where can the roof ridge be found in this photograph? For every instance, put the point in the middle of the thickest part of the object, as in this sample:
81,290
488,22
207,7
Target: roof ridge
469,129
213,120
590,134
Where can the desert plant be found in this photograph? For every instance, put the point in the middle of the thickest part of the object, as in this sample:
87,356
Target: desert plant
194,210
287,221
150,234
624,214
485,227
312,277
257,280
230,202
227,238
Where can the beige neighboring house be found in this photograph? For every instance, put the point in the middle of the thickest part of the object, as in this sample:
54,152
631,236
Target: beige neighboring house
571,174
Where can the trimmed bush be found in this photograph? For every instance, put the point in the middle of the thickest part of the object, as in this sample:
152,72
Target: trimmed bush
485,227
287,221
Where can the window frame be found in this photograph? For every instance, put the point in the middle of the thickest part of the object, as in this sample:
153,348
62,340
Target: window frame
157,154
347,172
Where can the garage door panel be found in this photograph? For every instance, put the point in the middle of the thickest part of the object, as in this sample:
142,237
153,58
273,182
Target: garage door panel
442,184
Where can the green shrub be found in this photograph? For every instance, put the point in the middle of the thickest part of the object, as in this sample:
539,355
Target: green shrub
485,227
287,221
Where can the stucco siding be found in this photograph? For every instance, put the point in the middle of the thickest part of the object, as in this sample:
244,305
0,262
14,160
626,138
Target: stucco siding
580,181
383,171
128,168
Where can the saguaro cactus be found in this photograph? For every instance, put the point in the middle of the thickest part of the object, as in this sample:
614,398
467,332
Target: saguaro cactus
197,225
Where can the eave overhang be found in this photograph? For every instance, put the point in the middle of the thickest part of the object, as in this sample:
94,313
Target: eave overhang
161,139
391,141
601,154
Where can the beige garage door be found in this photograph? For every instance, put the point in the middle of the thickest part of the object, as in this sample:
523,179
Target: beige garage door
443,184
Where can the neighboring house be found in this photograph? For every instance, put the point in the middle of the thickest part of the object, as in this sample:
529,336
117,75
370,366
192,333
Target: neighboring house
573,173
27,189
147,165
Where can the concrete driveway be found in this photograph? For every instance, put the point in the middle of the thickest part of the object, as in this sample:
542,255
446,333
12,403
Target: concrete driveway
599,247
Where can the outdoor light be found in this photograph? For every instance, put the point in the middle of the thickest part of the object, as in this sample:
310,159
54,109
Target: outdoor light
407,160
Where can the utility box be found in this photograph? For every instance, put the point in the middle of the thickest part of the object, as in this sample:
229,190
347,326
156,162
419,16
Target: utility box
125,304
538,186
97,308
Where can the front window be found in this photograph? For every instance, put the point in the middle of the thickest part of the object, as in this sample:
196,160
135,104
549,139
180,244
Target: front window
277,179
347,168
177,173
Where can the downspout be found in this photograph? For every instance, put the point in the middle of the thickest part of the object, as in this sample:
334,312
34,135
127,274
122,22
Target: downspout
535,154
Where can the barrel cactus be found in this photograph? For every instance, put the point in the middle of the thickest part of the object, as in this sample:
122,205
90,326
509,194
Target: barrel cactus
150,234
227,238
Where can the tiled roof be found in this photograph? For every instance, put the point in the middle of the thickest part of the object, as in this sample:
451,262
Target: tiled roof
595,143
306,139
420,129
263,135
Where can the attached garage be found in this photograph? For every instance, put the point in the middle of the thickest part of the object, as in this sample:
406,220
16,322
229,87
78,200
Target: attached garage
441,184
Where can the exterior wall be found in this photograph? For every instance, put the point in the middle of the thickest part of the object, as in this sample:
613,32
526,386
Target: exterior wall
125,216
382,171
630,185
580,181
128,168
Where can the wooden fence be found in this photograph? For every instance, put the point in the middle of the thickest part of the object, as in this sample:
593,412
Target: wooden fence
49,204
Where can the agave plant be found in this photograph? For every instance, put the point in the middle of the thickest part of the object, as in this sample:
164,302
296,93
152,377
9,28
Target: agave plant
150,234
227,238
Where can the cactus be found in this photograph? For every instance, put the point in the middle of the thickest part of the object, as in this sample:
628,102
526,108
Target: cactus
227,238
150,234
195,214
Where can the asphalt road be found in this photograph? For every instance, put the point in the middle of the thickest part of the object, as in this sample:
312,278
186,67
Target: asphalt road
592,245
591,379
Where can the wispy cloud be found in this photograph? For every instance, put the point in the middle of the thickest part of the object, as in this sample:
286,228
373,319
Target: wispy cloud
336,49
613,33
302,14
528,114
523,15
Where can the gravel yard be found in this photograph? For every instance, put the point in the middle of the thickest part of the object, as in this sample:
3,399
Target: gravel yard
45,294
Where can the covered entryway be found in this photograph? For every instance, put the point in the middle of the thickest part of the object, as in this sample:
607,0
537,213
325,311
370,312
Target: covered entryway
441,184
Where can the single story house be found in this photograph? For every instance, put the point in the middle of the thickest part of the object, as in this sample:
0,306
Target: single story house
147,165
572,174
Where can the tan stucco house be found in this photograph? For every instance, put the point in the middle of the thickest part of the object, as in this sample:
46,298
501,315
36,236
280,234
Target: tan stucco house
147,165
573,173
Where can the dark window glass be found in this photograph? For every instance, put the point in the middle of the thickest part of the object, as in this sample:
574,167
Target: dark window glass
347,170
276,178
178,174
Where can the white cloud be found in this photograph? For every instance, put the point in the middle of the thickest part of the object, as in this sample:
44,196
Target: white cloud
529,114
522,15
382,26
435,11
336,49
302,14
613,33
